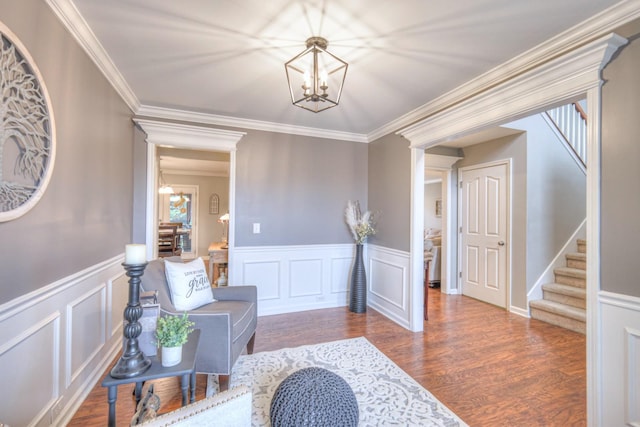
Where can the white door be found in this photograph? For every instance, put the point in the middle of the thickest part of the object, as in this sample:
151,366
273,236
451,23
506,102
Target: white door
484,232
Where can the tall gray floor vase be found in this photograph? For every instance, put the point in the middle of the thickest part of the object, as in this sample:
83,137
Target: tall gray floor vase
358,290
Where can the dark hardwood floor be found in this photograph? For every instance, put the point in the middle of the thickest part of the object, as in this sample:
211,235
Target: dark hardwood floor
490,367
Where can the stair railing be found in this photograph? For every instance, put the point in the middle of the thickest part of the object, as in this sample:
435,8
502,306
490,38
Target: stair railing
571,122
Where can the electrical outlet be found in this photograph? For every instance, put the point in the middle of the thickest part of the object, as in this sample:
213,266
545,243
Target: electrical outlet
256,228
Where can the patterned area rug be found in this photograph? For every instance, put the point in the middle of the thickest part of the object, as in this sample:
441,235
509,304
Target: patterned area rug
386,395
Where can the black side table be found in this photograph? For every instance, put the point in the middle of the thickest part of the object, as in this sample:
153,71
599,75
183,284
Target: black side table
185,369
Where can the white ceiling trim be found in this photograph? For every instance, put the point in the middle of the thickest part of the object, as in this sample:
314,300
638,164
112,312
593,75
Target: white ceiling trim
554,82
439,162
189,136
597,26
217,120
74,22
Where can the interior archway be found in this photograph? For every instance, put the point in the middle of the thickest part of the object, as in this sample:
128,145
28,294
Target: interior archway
565,79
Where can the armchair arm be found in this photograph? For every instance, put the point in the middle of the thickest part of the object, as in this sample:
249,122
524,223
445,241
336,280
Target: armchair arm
236,293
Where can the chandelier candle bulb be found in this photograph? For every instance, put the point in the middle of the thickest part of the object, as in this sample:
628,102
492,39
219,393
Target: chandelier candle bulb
135,254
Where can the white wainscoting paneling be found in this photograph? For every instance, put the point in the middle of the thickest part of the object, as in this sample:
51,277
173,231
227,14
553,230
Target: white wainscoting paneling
295,278
389,284
56,342
32,352
621,355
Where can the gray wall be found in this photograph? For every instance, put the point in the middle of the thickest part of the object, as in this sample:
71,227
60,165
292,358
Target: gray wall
390,190
84,217
297,188
620,211
209,229
556,195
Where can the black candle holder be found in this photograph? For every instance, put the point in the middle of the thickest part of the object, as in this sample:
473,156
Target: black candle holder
133,361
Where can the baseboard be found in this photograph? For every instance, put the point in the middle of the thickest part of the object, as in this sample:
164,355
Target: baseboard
519,311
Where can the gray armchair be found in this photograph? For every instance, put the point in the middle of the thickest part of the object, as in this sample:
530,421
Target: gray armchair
227,325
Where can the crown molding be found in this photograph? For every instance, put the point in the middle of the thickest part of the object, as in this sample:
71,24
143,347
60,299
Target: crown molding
70,16
590,29
218,120
188,136
556,81
594,27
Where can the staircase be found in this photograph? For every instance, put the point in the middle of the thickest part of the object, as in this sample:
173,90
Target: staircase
564,302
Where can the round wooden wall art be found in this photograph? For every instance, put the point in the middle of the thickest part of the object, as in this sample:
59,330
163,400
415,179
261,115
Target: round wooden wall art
27,131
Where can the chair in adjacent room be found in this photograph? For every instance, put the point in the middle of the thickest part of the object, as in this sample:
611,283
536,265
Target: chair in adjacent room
168,241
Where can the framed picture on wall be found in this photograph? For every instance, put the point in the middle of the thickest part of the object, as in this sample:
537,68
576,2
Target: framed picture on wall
214,203
438,208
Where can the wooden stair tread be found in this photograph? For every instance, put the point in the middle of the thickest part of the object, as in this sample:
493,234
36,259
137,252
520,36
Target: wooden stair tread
560,309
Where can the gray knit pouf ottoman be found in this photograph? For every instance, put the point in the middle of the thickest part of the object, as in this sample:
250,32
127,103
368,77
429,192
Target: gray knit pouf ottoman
314,397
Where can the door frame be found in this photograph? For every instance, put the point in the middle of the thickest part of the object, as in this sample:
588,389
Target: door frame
187,136
444,165
567,76
509,219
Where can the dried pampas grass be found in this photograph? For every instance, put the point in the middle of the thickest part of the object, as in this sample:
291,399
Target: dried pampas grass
360,225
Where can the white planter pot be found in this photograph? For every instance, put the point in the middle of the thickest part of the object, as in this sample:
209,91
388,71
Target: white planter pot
171,356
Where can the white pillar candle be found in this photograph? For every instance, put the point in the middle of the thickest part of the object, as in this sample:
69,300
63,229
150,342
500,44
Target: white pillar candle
135,254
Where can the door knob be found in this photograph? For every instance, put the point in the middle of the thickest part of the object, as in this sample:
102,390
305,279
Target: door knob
501,243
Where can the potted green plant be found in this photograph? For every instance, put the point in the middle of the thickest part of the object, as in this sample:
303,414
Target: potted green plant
171,333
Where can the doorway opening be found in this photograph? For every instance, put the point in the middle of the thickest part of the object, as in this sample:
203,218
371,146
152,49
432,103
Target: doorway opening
193,142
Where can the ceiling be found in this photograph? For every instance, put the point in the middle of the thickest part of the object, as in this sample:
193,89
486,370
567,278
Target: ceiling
226,57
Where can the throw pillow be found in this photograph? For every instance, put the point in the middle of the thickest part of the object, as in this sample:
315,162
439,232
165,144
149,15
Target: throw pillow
189,284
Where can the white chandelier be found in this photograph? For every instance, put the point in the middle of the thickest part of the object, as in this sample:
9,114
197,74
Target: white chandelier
316,77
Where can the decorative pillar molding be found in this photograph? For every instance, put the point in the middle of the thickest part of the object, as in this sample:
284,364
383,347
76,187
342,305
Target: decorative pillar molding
560,80
416,242
567,78
444,164
188,136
